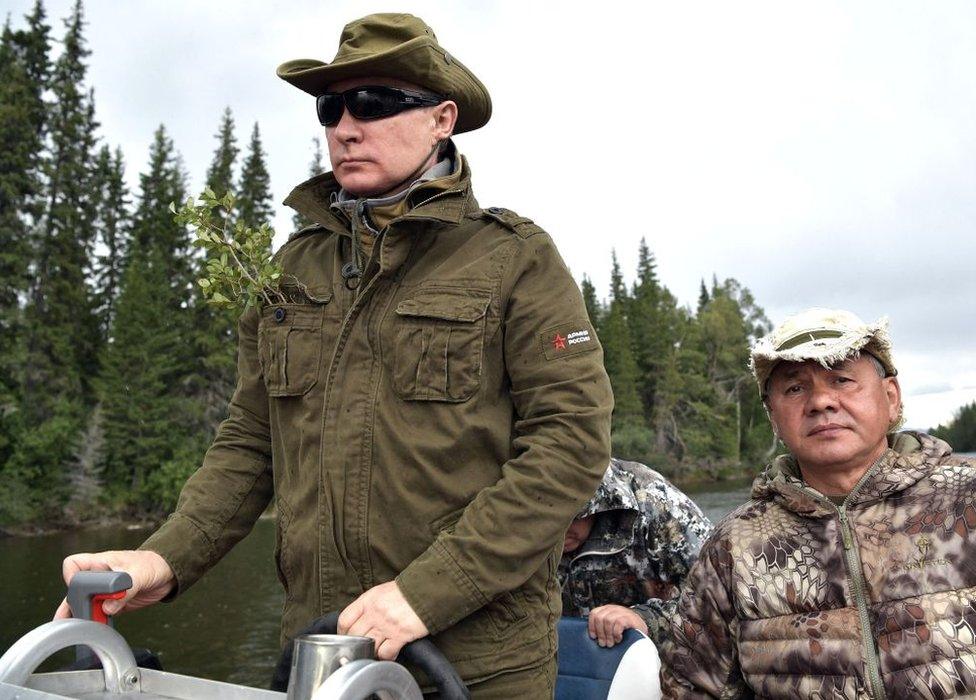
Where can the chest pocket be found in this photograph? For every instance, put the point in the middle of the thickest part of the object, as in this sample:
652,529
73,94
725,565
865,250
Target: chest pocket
290,339
439,344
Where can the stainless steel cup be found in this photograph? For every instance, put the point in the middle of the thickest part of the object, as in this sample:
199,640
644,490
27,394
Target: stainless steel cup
319,655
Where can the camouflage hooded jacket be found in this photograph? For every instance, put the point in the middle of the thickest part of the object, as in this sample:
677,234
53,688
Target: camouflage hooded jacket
876,598
646,531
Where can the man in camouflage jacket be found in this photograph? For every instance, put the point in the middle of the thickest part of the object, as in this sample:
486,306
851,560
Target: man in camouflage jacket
628,551
835,581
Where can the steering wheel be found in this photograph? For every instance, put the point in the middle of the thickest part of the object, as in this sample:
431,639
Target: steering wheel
422,653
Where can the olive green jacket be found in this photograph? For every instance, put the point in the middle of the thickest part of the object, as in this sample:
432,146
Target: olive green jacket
439,425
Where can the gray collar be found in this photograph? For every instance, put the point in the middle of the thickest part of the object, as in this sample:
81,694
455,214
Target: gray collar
350,205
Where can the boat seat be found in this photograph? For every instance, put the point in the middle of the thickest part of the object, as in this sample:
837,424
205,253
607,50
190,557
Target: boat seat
587,671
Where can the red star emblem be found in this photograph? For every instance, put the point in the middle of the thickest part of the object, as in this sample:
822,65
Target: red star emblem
559,342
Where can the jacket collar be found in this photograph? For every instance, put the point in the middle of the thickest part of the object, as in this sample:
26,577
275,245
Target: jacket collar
313,198
910,457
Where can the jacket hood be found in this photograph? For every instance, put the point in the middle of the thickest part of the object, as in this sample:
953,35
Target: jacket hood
616,491
910,456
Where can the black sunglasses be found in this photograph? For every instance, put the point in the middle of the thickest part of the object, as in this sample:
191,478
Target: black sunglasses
370,102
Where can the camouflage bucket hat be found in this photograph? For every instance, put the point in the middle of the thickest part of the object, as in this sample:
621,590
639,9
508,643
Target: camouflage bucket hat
827,336
401,46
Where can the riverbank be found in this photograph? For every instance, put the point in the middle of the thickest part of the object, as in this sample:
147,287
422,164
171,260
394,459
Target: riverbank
697,479
118,522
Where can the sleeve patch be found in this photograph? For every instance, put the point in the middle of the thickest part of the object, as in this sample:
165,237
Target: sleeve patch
567,339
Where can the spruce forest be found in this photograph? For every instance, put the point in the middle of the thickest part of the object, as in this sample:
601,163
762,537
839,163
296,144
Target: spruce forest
115,373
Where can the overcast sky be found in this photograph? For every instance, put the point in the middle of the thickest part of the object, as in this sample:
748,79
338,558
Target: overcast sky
820,153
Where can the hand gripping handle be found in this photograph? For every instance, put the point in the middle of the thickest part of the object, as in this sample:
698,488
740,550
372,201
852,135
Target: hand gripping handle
422,653
89,589
86,593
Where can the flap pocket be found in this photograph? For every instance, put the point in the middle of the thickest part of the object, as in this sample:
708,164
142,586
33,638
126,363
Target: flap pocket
290,339
447,304
439,340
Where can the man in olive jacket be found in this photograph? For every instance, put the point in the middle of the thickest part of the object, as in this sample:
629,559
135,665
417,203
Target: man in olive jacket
429,413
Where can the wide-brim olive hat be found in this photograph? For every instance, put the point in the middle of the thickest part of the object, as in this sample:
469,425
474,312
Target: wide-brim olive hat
395,45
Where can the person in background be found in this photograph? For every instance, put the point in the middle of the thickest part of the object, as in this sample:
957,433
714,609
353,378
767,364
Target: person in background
627,552
852,571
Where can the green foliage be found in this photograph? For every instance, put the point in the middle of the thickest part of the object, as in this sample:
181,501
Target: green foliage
147,364
684,398
164,483
30,489
113,224
145,415
960,432
60,337
215,329
117,337
591,302
618,352
241,271
20,149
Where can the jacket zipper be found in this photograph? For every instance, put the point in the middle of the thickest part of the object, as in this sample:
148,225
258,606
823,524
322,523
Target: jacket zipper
852,559
358,301
871,658
595,552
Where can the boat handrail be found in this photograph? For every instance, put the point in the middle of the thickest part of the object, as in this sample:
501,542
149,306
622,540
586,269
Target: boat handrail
28,652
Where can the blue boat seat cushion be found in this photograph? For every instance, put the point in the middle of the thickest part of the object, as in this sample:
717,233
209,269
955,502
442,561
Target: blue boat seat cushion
587,671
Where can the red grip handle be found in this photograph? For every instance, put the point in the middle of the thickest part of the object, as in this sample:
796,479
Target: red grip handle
97,613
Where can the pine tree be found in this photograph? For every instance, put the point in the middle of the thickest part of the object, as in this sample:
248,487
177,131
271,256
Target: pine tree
154,228
703,297
144,381
618,353
16,142
141,368
315,167
216,329
649,325
593,308
19,149
24,69
113,223
63,330
33,47
960,432
254,202
61,334
24,76
220,174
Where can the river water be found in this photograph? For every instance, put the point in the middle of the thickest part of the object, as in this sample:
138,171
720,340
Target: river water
224,628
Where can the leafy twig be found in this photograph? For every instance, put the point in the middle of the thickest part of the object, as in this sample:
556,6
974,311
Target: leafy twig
241,272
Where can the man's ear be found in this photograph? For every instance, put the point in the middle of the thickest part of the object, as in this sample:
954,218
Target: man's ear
893,392
445,117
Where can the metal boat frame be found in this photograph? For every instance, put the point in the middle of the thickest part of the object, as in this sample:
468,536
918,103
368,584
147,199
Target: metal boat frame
119,676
